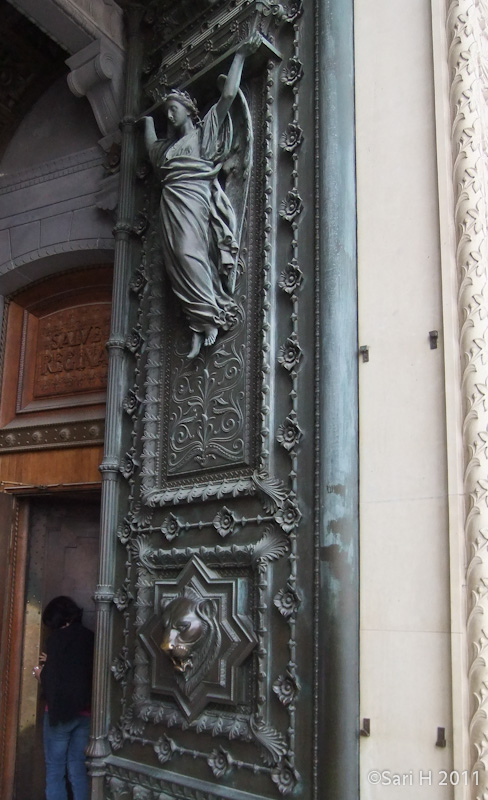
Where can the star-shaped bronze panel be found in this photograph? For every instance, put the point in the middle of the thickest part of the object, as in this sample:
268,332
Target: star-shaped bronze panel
198,637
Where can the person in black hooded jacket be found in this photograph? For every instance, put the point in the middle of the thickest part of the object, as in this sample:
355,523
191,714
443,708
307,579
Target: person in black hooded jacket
65,674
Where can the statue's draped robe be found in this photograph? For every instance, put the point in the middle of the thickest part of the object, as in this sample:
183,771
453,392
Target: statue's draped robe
197,222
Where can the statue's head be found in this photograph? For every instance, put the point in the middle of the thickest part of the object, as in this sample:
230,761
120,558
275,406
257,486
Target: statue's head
176,97
190,633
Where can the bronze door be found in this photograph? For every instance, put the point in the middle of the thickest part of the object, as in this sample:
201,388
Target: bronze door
227,605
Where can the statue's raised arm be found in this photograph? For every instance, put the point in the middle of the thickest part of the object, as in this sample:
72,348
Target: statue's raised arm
197,222
233,80
150,136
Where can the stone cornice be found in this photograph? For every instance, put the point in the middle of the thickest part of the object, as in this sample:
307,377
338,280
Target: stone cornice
73,24
93,34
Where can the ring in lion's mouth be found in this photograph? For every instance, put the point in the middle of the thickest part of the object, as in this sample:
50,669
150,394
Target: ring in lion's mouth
181,663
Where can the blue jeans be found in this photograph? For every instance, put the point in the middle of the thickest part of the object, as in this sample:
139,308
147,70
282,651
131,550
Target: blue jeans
64,750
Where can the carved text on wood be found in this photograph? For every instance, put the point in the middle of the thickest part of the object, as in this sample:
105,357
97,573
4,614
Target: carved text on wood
70,351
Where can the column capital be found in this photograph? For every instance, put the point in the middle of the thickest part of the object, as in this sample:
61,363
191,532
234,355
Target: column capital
97,72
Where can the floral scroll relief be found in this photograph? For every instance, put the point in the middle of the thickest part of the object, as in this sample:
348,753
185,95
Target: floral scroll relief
206,423
468,62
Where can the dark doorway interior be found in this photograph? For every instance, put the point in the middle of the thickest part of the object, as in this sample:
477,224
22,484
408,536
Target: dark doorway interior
62,559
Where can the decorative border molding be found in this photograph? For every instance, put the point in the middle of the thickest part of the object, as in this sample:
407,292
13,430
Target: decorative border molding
56,249
468,64
49,170
124,776
42,436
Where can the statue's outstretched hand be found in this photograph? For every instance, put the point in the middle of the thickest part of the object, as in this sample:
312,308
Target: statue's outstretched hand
251,45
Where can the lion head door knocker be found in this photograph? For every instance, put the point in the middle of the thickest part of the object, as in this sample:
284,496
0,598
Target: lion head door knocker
191,637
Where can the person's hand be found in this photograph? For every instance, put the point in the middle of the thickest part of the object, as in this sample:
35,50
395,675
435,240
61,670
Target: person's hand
36,671
251,45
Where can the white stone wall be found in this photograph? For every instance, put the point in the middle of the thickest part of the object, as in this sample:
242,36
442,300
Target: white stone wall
409,551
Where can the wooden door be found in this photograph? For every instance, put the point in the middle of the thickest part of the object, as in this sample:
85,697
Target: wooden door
53,368
13,544
62,558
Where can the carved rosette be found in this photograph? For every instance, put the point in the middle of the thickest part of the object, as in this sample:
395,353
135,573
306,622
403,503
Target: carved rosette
468,61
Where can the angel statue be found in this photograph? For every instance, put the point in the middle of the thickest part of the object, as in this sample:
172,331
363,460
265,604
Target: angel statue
200,222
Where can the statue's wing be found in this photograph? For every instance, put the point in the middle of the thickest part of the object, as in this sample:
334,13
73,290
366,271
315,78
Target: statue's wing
236,169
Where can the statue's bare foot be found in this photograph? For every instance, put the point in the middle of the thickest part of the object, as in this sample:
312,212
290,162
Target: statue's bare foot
196,344
211,337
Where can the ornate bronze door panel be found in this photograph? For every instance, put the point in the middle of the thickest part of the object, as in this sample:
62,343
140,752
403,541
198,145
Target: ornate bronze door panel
220,584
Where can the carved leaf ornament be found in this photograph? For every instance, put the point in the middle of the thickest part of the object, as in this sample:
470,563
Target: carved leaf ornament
271,547
272,491
271,741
